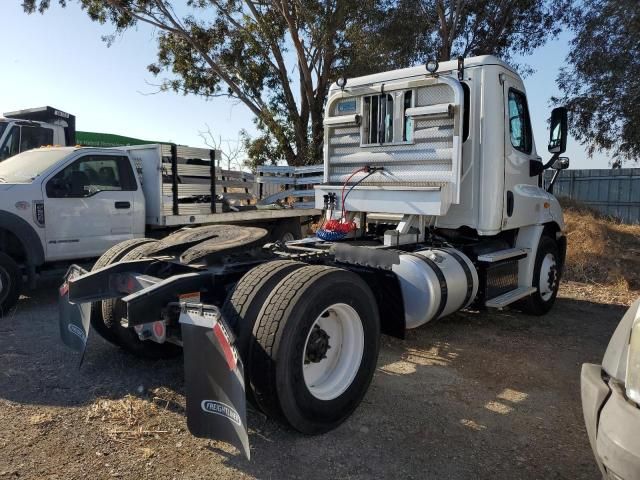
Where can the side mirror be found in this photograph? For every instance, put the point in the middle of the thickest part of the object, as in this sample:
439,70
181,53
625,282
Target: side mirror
558,130
562,163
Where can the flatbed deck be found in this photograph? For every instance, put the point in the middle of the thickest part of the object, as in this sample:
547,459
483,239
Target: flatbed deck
233,217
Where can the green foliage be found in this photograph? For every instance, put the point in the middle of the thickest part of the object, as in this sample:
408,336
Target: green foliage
279,57
446,29
601,85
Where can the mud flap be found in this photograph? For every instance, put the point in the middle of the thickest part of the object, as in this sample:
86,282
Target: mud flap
214,378
73,318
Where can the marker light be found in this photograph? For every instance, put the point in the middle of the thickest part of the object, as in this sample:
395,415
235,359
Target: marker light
432,66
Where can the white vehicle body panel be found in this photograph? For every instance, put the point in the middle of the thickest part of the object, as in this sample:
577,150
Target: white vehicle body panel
487,170
87,227
148,162
77,227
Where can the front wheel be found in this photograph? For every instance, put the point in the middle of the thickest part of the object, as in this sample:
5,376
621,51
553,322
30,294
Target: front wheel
546,278
316,346
10,283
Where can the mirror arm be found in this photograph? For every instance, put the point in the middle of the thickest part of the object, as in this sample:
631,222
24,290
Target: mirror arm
554,157
553,181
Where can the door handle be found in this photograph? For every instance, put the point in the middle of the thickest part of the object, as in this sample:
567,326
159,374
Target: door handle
123,205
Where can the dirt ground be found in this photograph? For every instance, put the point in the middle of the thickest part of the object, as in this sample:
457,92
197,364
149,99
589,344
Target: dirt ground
476,395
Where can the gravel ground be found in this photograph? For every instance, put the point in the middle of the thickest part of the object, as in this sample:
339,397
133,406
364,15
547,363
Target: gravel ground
476,395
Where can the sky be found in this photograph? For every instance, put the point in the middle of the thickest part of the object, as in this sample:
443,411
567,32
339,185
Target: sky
59,59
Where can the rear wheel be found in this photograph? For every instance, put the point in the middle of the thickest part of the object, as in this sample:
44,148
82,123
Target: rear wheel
10,283
546,278
112,255
286,231
315,349
113,310
241,309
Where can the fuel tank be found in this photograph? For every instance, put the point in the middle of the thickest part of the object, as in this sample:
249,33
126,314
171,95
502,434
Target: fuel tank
435,282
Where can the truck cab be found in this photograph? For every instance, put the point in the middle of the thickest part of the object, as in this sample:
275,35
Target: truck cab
78,202
455,144
446,151
62,203
32,128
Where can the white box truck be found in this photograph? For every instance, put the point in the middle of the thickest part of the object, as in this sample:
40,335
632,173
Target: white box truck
433,201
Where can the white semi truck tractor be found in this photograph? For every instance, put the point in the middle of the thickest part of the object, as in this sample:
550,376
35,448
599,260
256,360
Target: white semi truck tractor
432,200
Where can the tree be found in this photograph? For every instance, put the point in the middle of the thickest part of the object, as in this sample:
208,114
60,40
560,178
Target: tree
505,28
232,152
278,57
259,52
601,84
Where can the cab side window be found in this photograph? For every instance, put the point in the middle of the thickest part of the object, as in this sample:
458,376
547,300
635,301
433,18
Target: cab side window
34,137
519,123
90,175
11,144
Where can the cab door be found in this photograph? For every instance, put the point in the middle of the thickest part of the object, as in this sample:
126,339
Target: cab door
89,206
520,188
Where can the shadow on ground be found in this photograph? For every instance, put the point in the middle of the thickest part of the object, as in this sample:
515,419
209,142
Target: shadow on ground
476,395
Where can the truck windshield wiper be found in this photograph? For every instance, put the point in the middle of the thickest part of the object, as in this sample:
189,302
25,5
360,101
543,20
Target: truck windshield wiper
3,180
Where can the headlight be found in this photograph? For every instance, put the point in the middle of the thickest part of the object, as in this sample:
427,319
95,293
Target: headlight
632,381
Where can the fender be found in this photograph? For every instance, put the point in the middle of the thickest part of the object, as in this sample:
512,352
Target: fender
28,237
529,237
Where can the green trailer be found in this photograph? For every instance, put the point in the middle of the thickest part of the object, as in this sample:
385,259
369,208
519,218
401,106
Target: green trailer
97,139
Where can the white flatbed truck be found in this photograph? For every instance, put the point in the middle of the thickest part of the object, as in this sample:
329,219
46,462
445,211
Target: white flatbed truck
432,201
60,205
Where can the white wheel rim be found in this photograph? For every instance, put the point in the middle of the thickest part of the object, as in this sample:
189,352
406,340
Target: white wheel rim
548,275
329,377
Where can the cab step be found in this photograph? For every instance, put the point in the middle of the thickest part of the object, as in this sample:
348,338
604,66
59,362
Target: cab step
507,254
508,298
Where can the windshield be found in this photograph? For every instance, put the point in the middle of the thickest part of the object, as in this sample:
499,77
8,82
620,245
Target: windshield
25,167
3,126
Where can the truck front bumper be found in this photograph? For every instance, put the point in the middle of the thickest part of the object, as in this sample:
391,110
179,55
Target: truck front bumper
613,425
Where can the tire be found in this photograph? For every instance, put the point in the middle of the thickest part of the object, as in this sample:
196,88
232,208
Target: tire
548,265
114,309
243,305
285,231
10,283
112,255
281,355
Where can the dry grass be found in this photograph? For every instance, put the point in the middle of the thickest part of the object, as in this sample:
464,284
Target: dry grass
601,251
128,417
